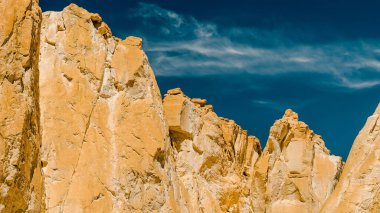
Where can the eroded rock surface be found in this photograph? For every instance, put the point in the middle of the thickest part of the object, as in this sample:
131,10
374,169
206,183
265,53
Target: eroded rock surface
102,118
212,157
83,128
358,189
295,173
20,174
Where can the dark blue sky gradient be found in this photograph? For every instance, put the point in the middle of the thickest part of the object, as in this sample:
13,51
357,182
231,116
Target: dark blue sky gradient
349,19
253,59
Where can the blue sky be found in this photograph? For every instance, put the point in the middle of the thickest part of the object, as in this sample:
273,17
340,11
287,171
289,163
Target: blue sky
254,59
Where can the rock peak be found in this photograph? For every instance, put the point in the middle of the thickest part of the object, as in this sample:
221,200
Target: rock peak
199,101
289,113
77,10
69,88
175,91
377,111
294,160
134,41
360,176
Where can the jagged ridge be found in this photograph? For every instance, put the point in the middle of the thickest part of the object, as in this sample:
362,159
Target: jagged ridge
83,129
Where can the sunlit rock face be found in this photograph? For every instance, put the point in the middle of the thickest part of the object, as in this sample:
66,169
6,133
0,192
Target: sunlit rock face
20,173
212,157
101,116
295,173
83,128
359,187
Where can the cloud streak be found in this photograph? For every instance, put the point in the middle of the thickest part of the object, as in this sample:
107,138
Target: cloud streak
182,45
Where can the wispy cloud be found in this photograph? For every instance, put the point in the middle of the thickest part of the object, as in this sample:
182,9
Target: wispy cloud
182,45
281,105
269,104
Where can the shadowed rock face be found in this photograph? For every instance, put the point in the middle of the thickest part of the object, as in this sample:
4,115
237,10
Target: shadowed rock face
83,128
20,173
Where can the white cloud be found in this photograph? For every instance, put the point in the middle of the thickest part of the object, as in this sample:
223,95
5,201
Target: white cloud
269,104
301,59
182,45
371,63
281,105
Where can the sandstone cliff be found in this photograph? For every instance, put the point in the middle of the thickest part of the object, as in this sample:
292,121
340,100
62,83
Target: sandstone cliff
212,157
20,172
101,115
295,173
83,128
359,187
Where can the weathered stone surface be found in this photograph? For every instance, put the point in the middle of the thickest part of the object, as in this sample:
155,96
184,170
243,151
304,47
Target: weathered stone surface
200,102
102,118
209,157
83,129
20,171
295,173
358,189
253,152
175,91
179,112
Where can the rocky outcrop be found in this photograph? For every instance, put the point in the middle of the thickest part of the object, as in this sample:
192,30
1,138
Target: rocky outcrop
102,118
295,173
20,174
212,157
358,189
83,128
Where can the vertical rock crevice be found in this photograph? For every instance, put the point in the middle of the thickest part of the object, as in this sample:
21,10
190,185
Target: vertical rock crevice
83,128
20,169
114,110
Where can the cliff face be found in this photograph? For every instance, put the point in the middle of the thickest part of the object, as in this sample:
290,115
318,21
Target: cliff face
211,157
359,187
83,128
101,115
295,173
20,138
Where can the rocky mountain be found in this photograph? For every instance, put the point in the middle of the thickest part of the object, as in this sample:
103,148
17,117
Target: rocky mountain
295,172
358,189
83,128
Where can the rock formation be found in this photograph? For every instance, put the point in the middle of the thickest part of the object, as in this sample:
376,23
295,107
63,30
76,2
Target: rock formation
83,128
358,189
102,118
295,173
20,138
212,157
